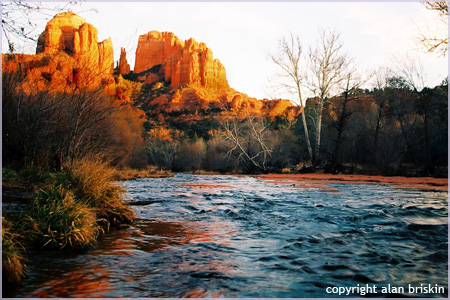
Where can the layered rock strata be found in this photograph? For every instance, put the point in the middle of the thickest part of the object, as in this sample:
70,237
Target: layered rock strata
69,33
179,62
68,57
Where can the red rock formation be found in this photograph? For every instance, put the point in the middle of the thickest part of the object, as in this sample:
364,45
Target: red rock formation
68,58
191,99
197,80
59,33
123,66
71,34
182,62
106,56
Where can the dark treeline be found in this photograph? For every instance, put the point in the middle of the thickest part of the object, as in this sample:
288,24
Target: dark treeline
391,130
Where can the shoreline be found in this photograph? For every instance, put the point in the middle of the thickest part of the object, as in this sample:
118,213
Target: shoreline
318,179
425,183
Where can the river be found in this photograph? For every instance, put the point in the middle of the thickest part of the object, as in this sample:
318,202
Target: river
237,236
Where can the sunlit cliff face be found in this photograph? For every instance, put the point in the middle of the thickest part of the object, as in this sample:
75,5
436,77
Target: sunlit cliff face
69,33
69,58
182,62
183,75
198,81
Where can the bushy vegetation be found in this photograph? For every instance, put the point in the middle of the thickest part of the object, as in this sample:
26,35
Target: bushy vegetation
13,255
56,220
70,210
44,129
91,182
394,130
62,147
389,130
245,145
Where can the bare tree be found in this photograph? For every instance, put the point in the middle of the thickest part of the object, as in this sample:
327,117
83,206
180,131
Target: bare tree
382,76
249,141
349,87
161,151
289,59
326,65
412,71
434,42
22,20
47,128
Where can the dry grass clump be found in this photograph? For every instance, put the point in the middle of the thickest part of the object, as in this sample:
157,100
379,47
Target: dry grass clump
68,212
149,172
13,255
55,219
92,184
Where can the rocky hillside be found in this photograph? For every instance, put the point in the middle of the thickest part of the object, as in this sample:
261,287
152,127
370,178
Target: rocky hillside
181,80
185,84
68,57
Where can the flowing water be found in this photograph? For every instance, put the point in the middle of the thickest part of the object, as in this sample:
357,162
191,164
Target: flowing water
230,236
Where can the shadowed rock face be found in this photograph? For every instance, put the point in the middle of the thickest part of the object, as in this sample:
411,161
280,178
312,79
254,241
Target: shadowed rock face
182,62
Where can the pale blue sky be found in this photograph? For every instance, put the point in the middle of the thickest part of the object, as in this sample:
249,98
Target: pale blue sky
241,34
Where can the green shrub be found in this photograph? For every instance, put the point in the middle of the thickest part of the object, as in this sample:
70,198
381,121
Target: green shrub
56,220
13,255
26,177
92,184
9,176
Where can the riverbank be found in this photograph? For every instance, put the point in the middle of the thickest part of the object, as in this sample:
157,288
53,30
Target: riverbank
17,198
316,179
149,172
69,209
242,237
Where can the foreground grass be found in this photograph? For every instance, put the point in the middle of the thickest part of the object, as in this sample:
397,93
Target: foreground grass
56,220
13,255
69,209
92,184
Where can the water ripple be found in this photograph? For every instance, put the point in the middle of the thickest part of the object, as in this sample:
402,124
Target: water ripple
233,236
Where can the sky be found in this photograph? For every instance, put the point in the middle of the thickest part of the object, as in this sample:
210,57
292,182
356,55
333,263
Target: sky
242,34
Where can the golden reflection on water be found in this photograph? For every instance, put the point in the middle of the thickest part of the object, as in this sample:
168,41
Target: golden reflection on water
199,292
77,283
215,239
94,280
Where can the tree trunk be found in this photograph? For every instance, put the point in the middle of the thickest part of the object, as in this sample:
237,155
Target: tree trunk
308,141
316,158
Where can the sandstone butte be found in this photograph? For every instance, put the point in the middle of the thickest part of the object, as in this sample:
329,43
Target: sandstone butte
182,62
197,79
68,56
184,75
